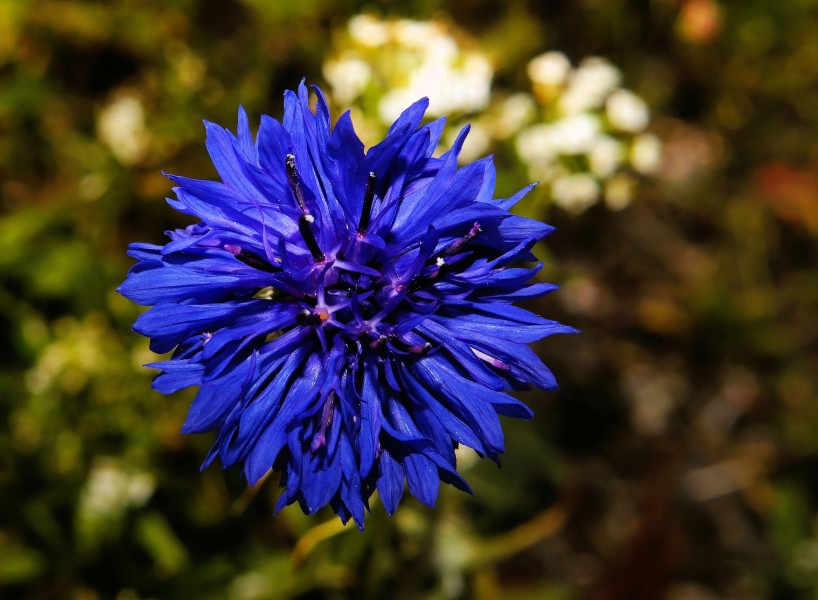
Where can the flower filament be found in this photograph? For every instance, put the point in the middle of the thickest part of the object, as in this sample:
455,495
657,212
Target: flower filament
306,219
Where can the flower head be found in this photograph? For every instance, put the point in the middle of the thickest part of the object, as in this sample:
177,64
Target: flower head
349,316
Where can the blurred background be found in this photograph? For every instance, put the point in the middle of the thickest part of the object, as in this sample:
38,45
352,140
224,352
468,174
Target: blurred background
676,143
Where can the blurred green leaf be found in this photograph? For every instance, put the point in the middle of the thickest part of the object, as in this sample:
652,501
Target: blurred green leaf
19,563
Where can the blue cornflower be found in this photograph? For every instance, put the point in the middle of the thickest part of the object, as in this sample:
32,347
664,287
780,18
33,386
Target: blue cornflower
349,316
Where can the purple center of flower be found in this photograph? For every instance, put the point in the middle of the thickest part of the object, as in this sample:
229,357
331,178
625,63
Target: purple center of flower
353,290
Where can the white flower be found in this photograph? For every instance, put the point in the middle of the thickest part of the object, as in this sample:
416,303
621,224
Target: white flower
413,33
109,491
412,59
440,48
575,192
515,111
605,156
575,134
140,488
627,111
348,77
619,191
589,85
121,127
596,74
393,103
535,144
646,153
452,90
368,30
549,69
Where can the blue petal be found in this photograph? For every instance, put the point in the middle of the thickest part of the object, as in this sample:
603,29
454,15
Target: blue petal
345,152
176,375
274,415
370,428
455,427
422,477
246,146
389,481
216,397
171,324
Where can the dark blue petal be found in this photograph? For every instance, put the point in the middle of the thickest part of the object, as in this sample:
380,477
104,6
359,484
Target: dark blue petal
390,481
216,397
457,429
274,415
422,478
346,155
171,324
176,375
221,144
247,147
370,427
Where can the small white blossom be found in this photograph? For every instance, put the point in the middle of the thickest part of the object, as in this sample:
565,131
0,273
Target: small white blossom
348,77
646,153
605,157
549,69
440,48
121,127
515,111
535,144
619,191
368,30
411,33
627,111
575,193
575,134
597,74
110,491
589,85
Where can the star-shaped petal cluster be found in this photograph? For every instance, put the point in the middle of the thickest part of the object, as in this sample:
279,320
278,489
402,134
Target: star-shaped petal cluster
348,316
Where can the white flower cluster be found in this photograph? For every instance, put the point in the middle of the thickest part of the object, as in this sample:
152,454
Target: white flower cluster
386,65
591,137
110,491
580,133
121,127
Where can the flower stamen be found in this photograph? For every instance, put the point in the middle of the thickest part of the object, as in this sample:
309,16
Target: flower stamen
402,346
326,420
433,274
306,317
295,183
306,219
457,245
250,259
366,209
